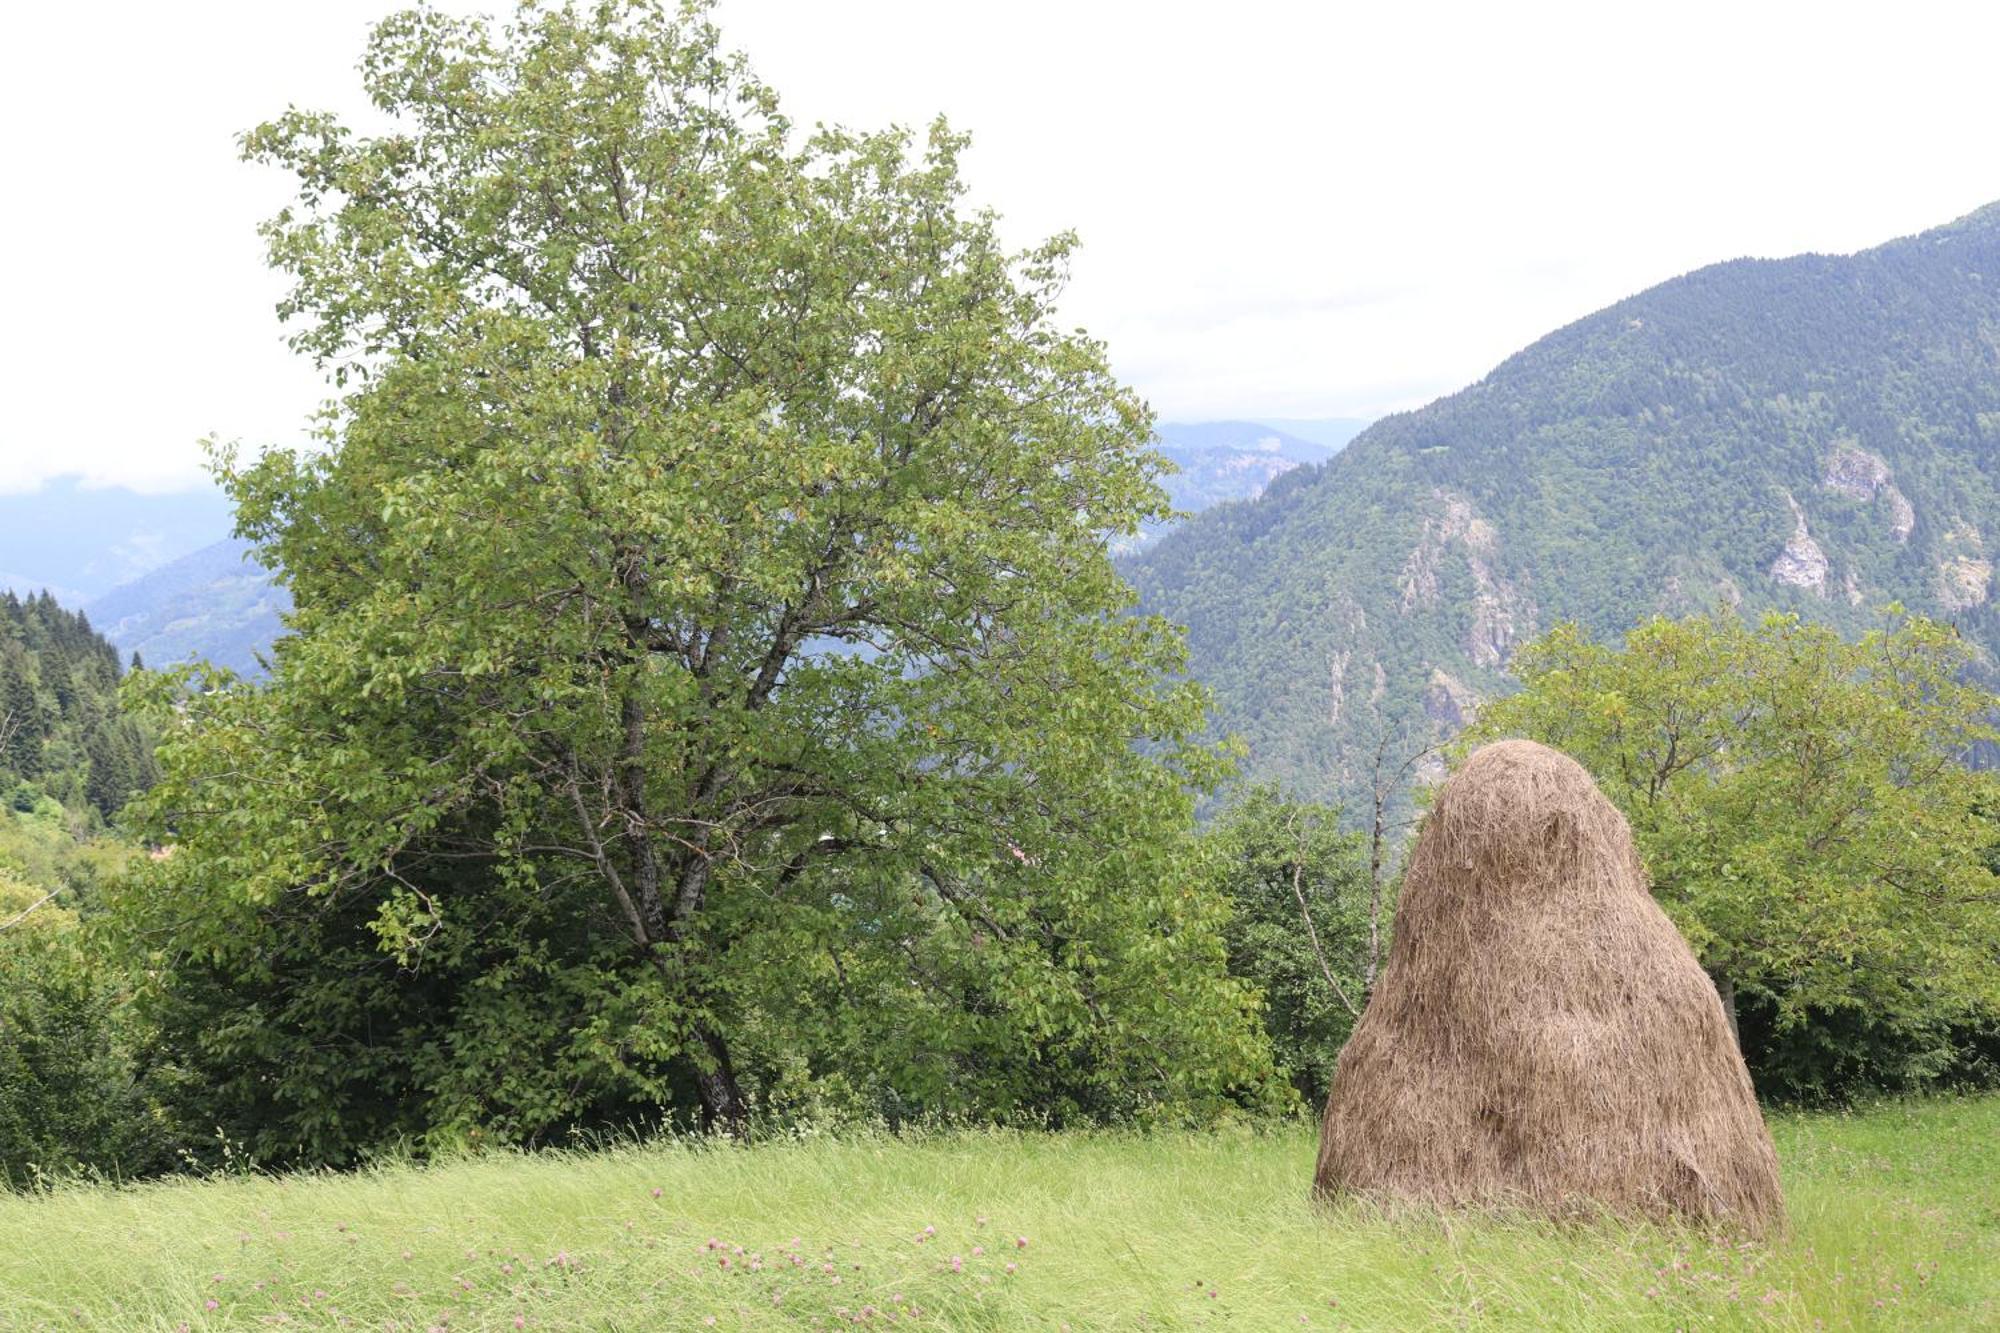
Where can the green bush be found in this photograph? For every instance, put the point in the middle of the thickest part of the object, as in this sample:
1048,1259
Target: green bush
1277,861
70,1098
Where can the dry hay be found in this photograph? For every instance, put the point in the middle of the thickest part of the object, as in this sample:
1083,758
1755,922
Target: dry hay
1542,1038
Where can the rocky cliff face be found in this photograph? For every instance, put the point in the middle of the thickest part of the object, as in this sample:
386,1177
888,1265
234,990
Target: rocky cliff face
1964,572
1859,475
1801,564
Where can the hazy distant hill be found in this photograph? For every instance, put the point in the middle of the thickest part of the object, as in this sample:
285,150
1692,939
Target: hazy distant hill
1220,461
1333,432
1819,433
216,604
82,541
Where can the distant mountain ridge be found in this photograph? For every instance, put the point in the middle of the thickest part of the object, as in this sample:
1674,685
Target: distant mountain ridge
1223,461
80,541
1819,433
217,603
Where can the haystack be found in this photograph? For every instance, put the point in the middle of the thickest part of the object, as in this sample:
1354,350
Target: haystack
1542,1038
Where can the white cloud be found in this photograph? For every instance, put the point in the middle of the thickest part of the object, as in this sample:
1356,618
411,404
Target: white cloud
1286,209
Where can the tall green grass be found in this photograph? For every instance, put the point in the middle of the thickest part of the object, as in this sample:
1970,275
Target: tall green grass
1895,1225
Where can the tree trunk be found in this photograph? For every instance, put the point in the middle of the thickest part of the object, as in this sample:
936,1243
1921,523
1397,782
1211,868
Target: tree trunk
722,1104
1726,988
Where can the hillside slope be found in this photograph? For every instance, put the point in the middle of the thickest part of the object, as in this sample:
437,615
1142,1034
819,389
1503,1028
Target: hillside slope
61,733
1819,433
216,603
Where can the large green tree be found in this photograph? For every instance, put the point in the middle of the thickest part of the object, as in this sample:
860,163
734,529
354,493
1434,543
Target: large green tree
711,542
1807,811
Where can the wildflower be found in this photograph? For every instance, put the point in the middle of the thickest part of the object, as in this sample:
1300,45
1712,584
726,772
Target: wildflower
1012,1267
656,1191
1020,1242
211,1304
979,1249
957,1264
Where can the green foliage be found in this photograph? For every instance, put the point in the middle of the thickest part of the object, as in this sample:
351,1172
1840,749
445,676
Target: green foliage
1646,459
60,728
1805,810
70,1094
707,686
1300,895
70,1097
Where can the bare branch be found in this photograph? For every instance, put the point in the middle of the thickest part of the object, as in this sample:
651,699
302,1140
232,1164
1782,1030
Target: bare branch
1312,934
29,910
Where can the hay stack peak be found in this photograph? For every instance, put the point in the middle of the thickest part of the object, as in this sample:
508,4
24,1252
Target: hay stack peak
1542,1037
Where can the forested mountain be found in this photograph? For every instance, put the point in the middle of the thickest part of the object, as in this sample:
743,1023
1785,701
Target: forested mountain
61,734
217,604
1820,434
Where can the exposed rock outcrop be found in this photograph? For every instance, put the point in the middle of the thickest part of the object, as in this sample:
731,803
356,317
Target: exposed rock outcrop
1965,574
1802,564
1854,472
1449,701
1455,522
1502,615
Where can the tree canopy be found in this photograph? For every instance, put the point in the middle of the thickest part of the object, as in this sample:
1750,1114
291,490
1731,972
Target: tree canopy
705,667
1807,810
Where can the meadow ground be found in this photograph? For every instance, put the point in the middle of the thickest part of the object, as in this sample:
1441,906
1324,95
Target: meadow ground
1895,1224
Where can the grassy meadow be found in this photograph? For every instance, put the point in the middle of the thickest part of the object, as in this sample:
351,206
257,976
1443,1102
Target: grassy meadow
1895,1225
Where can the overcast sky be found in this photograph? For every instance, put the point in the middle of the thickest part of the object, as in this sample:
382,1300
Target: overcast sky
1287,210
